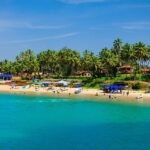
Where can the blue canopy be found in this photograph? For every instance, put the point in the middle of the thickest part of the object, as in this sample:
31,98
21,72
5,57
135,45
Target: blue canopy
78,85
6,76
46,84
114,87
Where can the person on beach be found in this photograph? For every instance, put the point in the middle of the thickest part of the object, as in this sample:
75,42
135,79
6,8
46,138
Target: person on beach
58,92
115,97
123,93
127,93
109,96
96,94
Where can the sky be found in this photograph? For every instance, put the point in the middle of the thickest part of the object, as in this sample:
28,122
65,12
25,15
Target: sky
77,24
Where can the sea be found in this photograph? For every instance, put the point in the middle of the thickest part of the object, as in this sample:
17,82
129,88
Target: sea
34,122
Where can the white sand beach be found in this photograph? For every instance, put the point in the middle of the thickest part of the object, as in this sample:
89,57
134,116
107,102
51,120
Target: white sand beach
60,91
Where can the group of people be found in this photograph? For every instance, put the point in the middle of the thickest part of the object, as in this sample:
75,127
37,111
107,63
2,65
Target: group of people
114,96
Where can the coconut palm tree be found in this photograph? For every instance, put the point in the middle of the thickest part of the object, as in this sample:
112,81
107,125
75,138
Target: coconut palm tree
7,66
117,46
27,62
68,60
140,53
110,61
127,54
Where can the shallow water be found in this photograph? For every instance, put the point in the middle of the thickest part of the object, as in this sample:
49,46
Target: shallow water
51,123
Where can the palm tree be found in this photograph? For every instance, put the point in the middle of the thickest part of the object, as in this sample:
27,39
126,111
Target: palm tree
127,54
86,60
140,53
41,58
68,60
110,61
27,62
117,46
7,67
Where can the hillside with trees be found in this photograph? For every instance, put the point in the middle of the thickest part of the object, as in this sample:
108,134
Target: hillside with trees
66,62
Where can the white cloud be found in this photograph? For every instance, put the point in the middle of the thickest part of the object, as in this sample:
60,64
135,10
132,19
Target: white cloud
44,38
7,24
136,26
30,26
81,1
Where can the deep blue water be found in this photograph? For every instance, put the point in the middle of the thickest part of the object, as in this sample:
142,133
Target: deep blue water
50,123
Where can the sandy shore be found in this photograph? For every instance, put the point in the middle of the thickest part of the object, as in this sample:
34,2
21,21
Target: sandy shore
57,91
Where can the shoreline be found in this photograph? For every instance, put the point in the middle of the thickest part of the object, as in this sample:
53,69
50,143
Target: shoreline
92,94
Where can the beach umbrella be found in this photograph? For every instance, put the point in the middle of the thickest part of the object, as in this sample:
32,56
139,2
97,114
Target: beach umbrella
37,83
65,83
78,85
46,83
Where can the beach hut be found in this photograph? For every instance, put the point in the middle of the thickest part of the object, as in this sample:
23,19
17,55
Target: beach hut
126,69
145,71
83,73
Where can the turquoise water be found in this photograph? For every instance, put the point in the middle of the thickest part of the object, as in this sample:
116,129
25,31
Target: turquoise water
50,123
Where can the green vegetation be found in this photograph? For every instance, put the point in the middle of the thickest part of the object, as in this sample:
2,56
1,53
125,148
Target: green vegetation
132,85
66,62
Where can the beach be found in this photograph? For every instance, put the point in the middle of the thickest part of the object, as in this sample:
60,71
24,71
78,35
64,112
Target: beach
70,92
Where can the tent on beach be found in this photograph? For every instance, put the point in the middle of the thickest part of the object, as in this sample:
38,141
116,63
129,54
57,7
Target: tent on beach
78,85
64,83
6,76
46,83
113,88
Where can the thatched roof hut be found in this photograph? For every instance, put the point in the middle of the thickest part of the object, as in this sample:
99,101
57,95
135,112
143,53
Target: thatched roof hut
145,71
83,73
126,69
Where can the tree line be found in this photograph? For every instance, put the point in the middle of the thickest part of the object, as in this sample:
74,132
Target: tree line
66,61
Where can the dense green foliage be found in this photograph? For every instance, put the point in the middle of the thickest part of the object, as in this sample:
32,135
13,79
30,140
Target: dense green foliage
66,62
